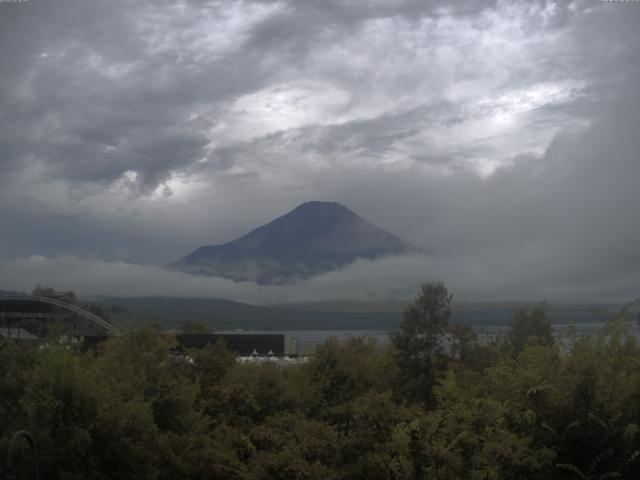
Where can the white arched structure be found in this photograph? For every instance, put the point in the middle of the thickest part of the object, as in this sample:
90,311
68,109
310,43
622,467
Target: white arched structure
67,306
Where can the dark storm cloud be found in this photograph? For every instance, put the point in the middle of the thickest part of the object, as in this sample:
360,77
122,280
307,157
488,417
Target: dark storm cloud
498,135
90,94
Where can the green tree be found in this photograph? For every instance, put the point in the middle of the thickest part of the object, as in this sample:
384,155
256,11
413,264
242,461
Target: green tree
211,366
291,447
339,373
418,342
369,451
193,326
529,325
466,350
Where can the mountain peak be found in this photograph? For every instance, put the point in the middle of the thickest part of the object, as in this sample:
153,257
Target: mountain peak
313,238
319,206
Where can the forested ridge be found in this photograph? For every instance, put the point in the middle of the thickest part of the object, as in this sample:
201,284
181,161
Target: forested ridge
437,403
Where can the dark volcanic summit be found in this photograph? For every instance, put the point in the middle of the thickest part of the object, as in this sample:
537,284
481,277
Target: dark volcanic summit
314,238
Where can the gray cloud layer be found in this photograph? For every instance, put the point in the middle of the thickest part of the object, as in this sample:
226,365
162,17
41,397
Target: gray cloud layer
499,135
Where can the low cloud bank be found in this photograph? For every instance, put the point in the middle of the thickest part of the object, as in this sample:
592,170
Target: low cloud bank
391,278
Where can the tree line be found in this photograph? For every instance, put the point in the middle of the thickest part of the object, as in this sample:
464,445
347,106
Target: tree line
437,403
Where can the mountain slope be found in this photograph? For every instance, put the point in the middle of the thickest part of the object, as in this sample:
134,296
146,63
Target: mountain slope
315,237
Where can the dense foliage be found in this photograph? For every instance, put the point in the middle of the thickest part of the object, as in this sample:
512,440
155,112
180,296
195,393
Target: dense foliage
438,403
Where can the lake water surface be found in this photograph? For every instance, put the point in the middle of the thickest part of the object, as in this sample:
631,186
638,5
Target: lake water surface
307,340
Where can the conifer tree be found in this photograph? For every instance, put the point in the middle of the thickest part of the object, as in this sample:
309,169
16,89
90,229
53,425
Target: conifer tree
418,342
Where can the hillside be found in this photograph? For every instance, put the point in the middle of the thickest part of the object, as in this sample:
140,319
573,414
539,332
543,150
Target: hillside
226,314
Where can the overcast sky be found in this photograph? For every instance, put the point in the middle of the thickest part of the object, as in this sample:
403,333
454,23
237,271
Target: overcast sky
503,137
